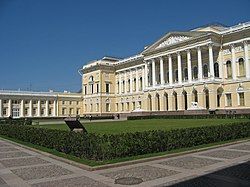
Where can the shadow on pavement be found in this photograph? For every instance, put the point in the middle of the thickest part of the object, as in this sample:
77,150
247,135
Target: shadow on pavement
238,175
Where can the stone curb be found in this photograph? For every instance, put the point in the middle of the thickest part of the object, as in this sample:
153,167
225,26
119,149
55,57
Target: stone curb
125,163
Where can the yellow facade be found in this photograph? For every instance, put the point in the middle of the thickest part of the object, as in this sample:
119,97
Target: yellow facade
209,66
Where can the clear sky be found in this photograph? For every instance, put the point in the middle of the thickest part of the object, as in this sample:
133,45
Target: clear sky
44,42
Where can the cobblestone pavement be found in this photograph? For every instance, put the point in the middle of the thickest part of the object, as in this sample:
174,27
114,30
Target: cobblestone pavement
230,164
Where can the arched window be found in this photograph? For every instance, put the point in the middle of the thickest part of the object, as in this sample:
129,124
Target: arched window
118,87
175,104
241,67
123,86
157,102
128,88
229,69
140,84
149,102
195,72
185,74
219,94
166,101
216,69
176,75
205,70
134,84
91,79
195,96
184,93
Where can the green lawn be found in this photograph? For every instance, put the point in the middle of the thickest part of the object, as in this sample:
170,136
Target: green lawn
115,127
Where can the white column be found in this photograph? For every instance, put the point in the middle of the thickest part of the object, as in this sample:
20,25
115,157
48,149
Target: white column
233,63
131,81
22,108
137,80
1,108
170,70
46,108
221,69
189,66
30,108
39,107
211,61
179,68
162,71
9,108
146,74
200,73
54,108
247,65
125,81
120,83
153,72
143,78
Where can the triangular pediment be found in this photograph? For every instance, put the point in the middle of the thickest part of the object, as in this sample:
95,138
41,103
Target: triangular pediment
172,38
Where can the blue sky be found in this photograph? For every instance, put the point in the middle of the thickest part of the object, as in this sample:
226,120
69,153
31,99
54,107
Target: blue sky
44,42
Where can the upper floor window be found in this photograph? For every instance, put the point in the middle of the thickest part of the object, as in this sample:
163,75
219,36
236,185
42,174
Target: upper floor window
205,70
195,72
97,88
107,87
229,69
241,67
216,69
91,79
185,74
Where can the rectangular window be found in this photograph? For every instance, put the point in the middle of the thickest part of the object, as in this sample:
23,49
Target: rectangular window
116,107
85,90
71,111
133,105
241,99
4,111
78,111
127,105
139,104
91,107
63,102
122,108
97,88
107,88
97,107
229,99
107,107
42,111
5,101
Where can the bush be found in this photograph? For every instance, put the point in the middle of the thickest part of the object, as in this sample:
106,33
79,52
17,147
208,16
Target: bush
105,147
19,121
201,116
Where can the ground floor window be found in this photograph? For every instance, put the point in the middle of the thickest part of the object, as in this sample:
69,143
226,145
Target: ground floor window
122,108
97,107
133,105
127,105
241,99
15,112
63,111
4,111
116,107
107,107
229,99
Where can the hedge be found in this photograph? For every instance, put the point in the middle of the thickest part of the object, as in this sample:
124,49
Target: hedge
106,147
201,116
19,121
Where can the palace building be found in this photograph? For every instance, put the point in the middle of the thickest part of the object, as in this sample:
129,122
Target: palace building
197,71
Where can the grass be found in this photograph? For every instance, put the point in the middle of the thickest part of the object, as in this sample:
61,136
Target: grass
116,127
93,163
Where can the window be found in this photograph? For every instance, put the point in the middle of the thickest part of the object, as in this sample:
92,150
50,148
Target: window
241,99
86,108
64,111
134,84
128,85
78,111
140,84
107,107
42,111
70,102
77,102
50,102
97,88
34,102
91,79
133,104
229,69
91,88
127,105
97,107
116,107
5,101
176,75
85,90
241,67
139,104
205,70
50,111
122,108
63,102
229,99
4,111
195,72
71,110
26,111
91,108
26,102
185,74
42,102
34,112
107,87
216,70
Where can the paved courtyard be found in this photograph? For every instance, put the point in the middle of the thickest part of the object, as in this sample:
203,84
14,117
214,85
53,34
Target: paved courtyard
228,165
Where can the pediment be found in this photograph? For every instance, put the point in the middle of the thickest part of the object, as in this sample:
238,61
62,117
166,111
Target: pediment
172,38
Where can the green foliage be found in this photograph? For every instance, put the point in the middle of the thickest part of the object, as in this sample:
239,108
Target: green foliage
19,121
106,147
201,116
